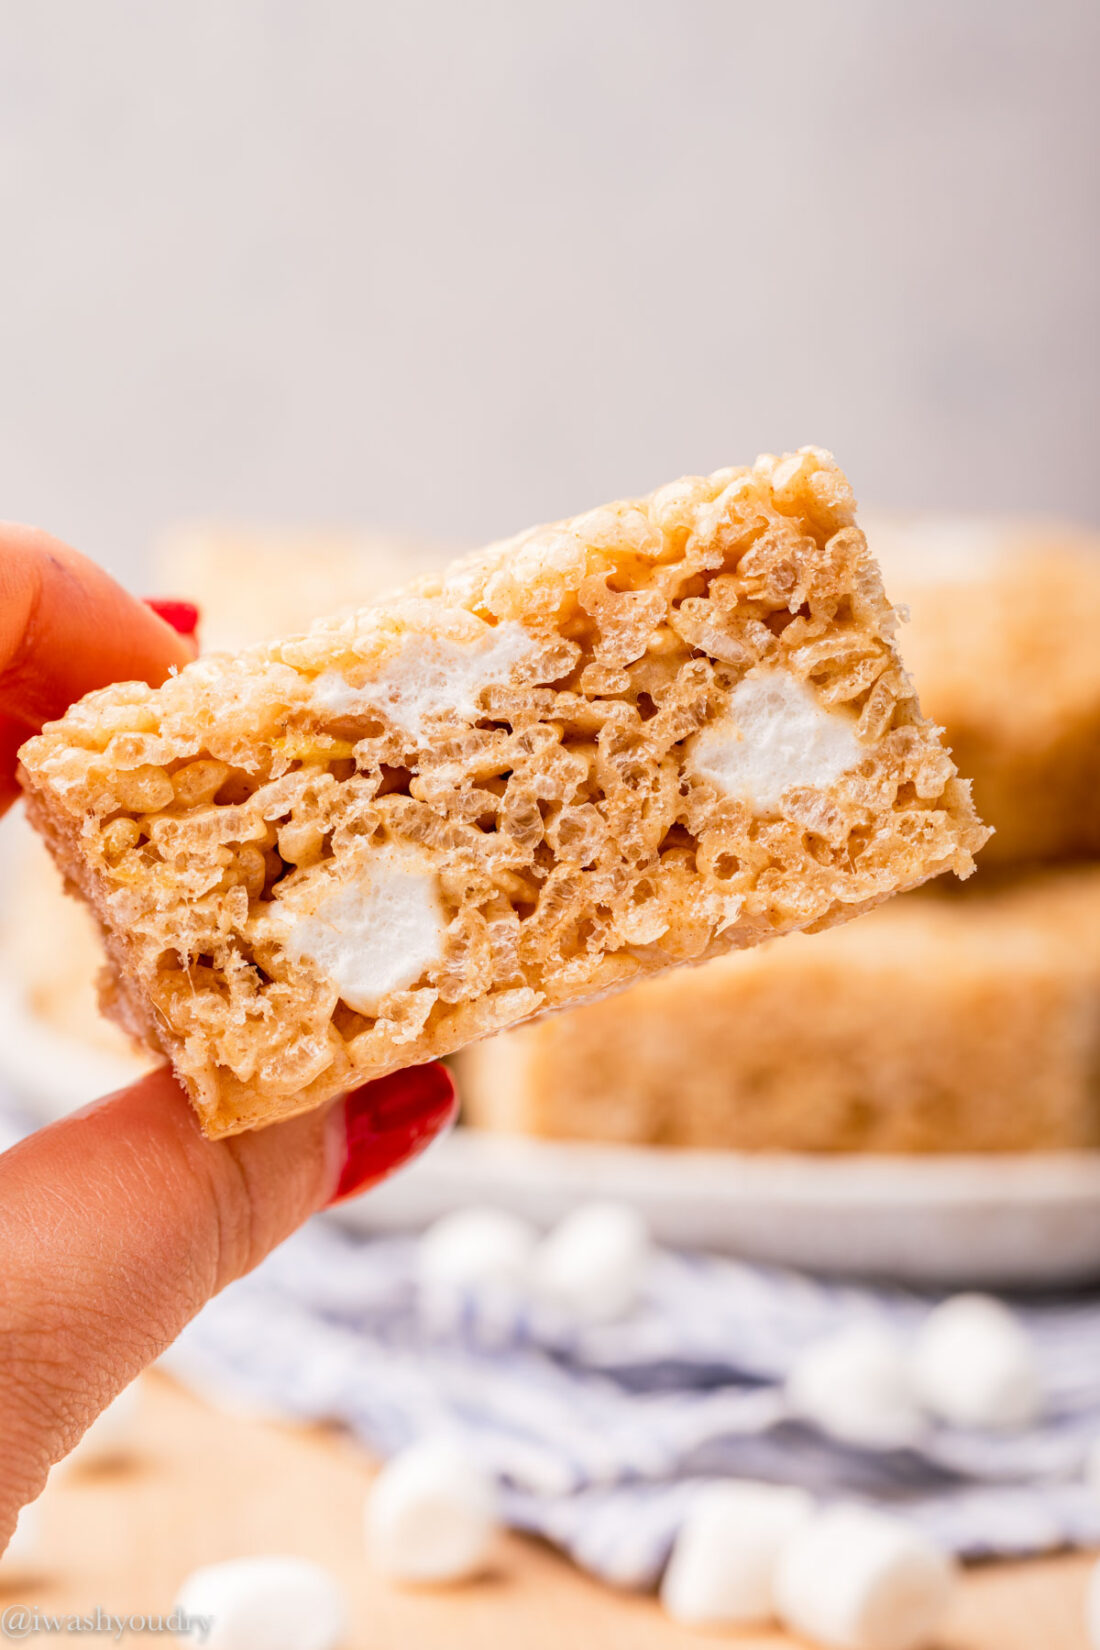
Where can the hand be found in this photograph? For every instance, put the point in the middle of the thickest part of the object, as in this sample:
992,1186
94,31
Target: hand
117,1223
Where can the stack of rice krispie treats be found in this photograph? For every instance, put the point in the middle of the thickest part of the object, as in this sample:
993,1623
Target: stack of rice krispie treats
655,734
951,1020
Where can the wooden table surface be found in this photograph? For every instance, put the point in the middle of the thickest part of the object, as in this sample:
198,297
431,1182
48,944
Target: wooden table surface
203,1485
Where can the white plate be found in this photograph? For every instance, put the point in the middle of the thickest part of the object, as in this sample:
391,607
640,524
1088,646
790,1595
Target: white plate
49,1072
1028,1220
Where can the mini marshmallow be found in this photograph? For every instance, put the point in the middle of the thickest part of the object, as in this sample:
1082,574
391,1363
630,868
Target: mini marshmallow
108,1438
271,1603
377,935
428,676
776,735
858,1579
592,1266
974,1365
855,1385
722,1568
431,1514
478,1247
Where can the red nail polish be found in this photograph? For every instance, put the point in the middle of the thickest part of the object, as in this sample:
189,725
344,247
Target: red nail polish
182,616
389,1121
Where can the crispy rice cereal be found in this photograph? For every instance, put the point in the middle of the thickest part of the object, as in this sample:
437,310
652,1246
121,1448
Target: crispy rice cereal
658,732
250,584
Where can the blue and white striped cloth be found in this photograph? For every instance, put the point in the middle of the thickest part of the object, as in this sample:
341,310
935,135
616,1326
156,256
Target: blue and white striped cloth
599,1437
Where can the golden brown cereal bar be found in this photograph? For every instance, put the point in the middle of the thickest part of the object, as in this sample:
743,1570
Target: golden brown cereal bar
941,1023
658,732
250,584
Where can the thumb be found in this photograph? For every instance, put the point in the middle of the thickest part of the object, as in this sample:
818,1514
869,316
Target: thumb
117,1223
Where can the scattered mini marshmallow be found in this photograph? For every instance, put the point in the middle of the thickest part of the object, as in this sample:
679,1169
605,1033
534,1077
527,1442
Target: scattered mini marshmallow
270,1603
974,1365
476,1248
592,1267
722,1568
431,1514
109,1436
1092,1607
22,1550
858,1579
855,1385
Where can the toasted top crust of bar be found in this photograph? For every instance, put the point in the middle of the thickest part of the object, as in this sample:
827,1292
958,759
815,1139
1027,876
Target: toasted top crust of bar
552,796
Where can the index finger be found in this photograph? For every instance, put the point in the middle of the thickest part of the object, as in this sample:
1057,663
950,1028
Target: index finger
66,627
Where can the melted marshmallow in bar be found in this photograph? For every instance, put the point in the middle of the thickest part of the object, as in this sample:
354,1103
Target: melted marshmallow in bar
429,676
775,735
375,935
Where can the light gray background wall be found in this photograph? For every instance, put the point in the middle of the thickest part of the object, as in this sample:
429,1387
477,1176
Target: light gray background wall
454,267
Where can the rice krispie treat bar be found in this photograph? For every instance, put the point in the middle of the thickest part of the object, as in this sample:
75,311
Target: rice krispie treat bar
1003,641
251,584
937,1024
658,732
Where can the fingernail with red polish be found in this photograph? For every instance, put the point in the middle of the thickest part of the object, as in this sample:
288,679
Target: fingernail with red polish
387,1122
182,616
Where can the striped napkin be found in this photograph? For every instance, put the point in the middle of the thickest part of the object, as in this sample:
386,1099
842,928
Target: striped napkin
598,1437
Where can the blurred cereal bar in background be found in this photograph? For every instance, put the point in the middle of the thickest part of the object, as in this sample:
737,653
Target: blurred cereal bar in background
664,730
958,1020
939,1023
253,584
1004,645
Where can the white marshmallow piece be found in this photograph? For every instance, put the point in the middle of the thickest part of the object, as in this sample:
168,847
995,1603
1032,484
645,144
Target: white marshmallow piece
974,1365
110,1435
858,1579
722,1568
428,676
592,1267
376,935
431,1515
855,1385
775,735
270,1603
478,1248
